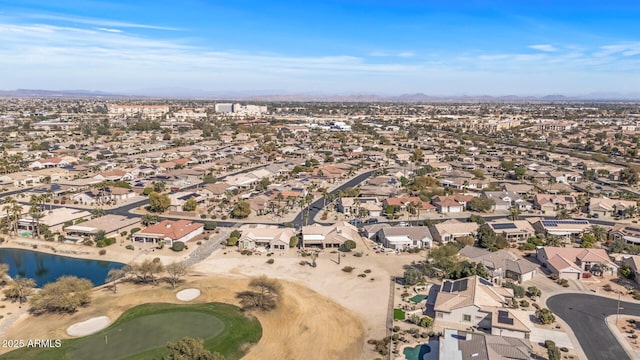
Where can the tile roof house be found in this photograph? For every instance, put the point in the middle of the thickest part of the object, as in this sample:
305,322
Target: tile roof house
169,231
401,238
501,264
605,207
464,345
570,263
629,233
470,301
450,230
268,238
332,236
550,203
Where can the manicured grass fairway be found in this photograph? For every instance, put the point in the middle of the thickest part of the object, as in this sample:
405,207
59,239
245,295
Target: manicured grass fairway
143,332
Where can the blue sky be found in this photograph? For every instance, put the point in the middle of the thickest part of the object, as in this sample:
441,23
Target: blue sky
338,47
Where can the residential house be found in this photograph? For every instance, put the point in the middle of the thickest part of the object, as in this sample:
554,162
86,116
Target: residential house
402,238
571,263
470,301
520,189
54,219
354,206
465,345
114,175
625,232
218,190
169,231
564,228
452,229
265,237
633,262
505,200
605,207
48,163
451,203
515,231
550,203
331,236
401,203
501,264
112,225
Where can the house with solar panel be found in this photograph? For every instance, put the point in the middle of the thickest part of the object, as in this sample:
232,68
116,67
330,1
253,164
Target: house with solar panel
626,232
476,302
562,228
515,231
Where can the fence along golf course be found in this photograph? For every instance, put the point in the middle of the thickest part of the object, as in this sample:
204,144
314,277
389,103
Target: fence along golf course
143,332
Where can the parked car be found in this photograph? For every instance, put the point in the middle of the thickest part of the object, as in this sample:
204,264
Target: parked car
371,221
355,222
403,223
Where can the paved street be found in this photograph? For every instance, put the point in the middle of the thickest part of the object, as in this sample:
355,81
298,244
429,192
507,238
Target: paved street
586,314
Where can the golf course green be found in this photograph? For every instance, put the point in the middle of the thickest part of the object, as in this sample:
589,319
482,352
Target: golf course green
143,332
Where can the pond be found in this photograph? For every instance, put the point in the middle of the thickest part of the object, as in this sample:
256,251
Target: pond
46,268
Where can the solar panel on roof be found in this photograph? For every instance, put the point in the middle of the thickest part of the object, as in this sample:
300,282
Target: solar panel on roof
503,226
485,282
446,287
460,285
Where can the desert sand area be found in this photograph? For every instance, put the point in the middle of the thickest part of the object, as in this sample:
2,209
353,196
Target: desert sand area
305,325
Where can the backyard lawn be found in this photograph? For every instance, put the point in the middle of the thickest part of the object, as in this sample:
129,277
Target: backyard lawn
143,332
398,314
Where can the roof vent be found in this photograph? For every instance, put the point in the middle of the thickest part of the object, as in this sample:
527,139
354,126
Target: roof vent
168,226
468,338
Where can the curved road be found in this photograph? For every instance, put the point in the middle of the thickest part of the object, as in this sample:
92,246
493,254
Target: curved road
585,314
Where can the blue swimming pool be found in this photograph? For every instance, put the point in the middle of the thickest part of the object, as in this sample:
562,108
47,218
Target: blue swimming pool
416,353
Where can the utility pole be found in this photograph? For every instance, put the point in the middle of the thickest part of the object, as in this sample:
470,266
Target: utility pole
618,307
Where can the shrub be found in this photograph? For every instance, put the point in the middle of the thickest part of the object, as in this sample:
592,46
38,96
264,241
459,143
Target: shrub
99,243
518,291
545,316
233,241
348,269
358,254
524,303
368,271
102,251
203,216
362,275
426,322
129,247
270,261
210,225
349,245
134,230
178,246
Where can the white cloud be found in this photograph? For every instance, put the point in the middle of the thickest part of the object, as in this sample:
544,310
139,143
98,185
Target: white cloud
544,47
109,30
100,22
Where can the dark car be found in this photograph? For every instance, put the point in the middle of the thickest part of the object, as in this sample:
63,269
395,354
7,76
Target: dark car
355,222
371,221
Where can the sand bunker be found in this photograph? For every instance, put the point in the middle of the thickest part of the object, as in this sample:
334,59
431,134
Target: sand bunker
89,326
188,294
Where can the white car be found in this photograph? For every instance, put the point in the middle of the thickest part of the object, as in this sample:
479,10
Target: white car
402,223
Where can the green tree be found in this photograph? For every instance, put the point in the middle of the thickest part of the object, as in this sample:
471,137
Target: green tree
190,349
481,204
159,202
587,241
66,294
209,179
190,205
241,210
599,232
533,292
293,241
349,245
97,212
476,219
425,322
520,172
413,276
627,272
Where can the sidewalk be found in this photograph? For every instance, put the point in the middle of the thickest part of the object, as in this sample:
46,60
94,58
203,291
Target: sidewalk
622,338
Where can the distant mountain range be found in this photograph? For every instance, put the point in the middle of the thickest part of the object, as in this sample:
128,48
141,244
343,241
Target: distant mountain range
279,95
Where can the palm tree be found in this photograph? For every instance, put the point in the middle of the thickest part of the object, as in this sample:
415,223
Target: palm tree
411,207
514,213
598,232
631,211
36,212
562,214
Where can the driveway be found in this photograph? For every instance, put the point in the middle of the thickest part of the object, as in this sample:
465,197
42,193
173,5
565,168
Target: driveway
585,314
